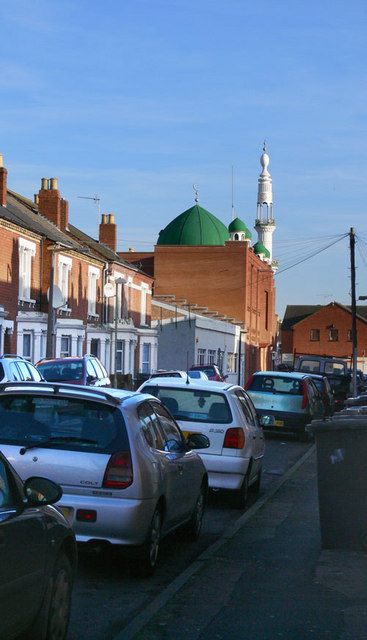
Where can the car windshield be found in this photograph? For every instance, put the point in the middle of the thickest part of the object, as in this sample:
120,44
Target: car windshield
275,384
193,404
61,371
209,371
61,423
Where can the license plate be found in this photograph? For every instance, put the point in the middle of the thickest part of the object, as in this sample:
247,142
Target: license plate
278,423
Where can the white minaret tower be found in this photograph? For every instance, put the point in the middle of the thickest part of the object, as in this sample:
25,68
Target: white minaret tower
264,223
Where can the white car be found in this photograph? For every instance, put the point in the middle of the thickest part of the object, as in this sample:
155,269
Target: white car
225,413
127,473
179,374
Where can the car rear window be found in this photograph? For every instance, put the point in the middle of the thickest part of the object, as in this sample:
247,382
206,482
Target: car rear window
61,371
313,366
275,384
62,423
193,404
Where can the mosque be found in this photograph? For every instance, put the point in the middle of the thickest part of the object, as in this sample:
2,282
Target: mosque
201,263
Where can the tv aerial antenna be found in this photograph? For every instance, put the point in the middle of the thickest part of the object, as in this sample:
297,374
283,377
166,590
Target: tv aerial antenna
96,199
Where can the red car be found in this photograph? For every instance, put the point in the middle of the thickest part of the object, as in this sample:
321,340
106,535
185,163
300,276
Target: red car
212,371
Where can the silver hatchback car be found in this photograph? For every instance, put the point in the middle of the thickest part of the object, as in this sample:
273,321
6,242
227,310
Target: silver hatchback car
127,473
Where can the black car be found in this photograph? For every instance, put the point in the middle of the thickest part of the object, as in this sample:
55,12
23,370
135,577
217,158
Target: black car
38,560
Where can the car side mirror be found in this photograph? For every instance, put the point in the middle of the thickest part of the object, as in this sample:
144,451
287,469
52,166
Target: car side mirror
197,441
41,491
91,378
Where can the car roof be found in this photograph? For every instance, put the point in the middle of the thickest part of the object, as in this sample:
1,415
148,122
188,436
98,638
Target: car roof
194,383
106,394
284,374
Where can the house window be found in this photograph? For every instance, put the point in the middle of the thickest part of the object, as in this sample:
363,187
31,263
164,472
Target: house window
201,356
120,356
95,346
231,362
315,335
27,345
145,364
333,335
211,356
64,266
65,348
349,335
27,251
93,276
143,304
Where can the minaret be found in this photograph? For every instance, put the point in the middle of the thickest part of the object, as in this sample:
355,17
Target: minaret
264,223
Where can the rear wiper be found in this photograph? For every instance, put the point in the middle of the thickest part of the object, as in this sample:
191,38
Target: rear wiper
44,443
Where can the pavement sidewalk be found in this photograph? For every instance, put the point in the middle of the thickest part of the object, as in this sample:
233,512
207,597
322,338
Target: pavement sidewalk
266,578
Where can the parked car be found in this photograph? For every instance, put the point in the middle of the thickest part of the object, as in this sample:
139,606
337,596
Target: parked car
38,558
128,475
179,374
211,370
14,367
335,369
225,413
86,370
284,401
323,385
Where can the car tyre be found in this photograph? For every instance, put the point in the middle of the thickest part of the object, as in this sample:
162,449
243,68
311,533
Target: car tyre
150,552
239,496
256,485
195,523
52,620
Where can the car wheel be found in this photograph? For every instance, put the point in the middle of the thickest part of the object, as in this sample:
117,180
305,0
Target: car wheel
150,552
53,619
256,485
239,496
196,521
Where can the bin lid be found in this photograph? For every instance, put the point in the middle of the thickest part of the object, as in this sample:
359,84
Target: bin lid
351,421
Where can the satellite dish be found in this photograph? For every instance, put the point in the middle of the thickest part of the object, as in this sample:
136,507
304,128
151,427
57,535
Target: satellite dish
109,290
57,301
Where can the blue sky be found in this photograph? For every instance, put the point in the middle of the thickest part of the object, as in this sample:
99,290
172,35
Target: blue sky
136,101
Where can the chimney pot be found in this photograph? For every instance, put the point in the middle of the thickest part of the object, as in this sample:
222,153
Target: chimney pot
53,184
44,184
1,160
111,218
131,249
36,198
104,218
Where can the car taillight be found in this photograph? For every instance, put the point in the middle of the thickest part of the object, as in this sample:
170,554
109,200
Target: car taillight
119,471
234,438
305,397
217,378
248,382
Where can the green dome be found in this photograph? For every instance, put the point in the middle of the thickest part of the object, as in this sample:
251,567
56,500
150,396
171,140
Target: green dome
259,248
196,226
238,226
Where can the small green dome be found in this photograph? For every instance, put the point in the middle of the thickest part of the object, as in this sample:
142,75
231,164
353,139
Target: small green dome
238,226
196,226
259,248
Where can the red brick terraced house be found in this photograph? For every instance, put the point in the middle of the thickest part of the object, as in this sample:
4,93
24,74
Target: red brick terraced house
112,322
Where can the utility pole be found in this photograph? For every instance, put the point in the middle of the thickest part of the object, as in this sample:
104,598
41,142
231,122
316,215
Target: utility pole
354,311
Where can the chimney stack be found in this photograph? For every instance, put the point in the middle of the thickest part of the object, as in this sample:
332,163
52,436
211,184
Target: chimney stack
50,204
3,182
108,231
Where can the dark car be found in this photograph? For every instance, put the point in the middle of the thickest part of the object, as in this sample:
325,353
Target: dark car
211,370
86,370
323,385
38,558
